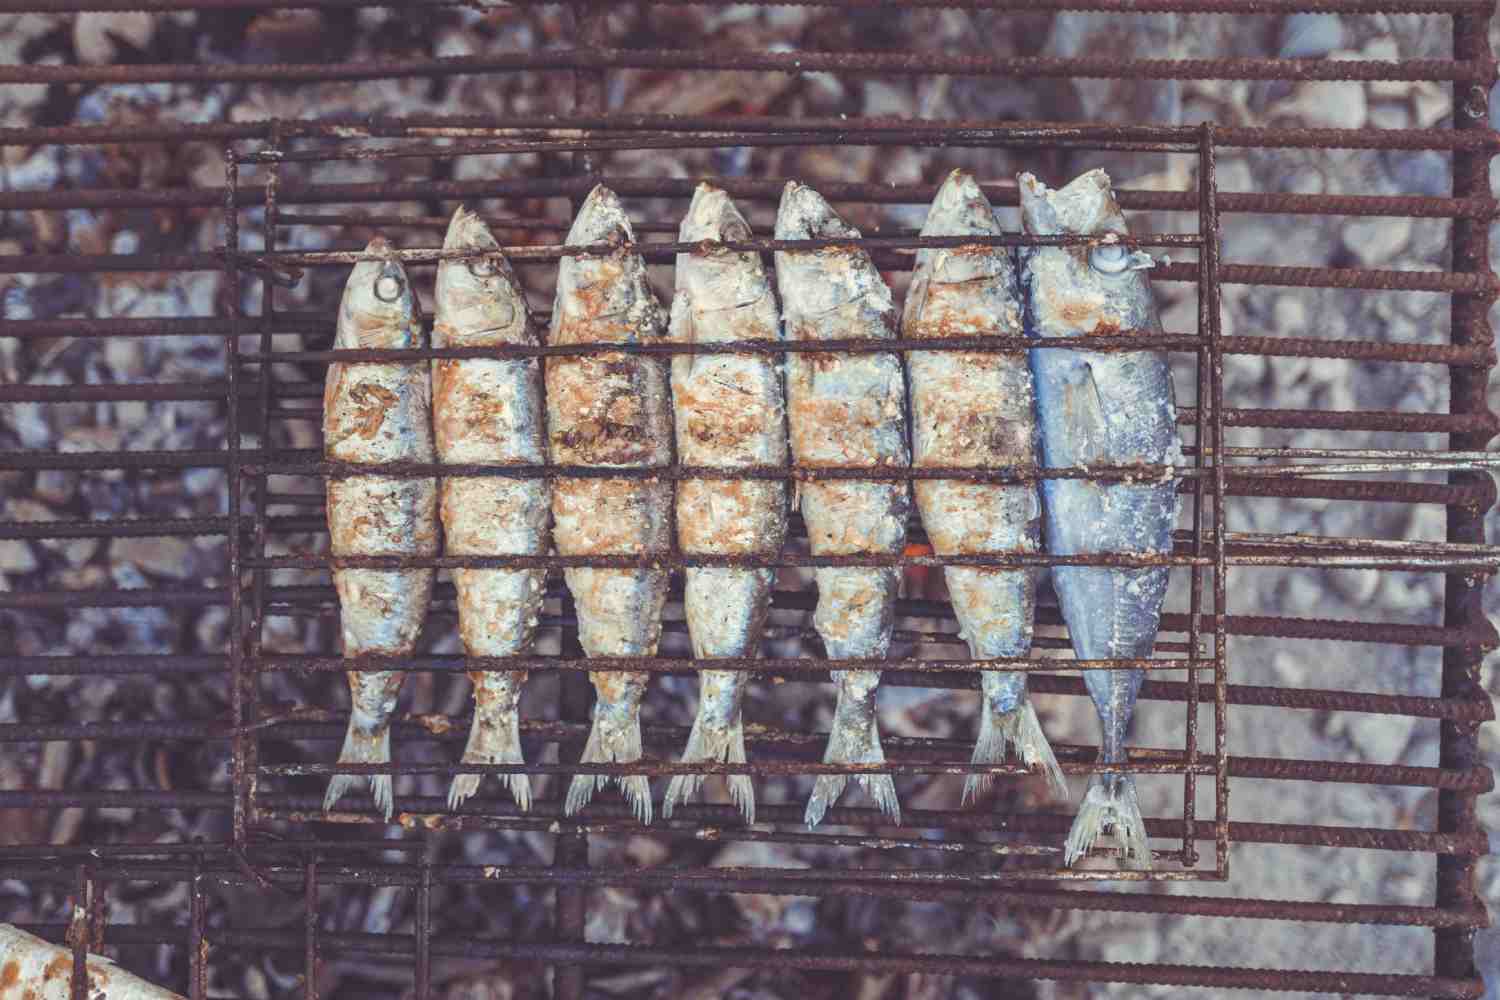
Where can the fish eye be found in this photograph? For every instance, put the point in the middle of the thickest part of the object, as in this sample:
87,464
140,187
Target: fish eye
388,288
483,267
1109,258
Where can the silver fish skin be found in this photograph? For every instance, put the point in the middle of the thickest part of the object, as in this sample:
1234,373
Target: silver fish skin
376,413
1101,408
974,409
612,410
730,412
488,411
845,410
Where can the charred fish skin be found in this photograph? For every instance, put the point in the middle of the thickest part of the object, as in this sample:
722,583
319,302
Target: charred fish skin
845,410
376,413
488,411
1101,408
729,412
612,410
974,409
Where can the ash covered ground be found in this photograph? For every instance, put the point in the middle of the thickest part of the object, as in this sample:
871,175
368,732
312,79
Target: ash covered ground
644,917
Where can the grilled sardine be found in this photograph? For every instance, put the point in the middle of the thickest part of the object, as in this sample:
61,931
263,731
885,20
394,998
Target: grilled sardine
729,413
376,413
488,411
975,409
612,410
1101,408
845,410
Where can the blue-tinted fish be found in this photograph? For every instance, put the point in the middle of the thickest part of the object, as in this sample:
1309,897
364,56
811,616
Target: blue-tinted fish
612,410
376,413
974,409
488,411
845,410
730,413
1101,408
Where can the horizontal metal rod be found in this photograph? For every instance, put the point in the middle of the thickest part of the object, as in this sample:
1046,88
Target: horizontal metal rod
759,769
1454,355
704,956
1481,635
719,60
1261,7
583,141
429,126
1470,844
1475,708
1169,342
1033,897
666,560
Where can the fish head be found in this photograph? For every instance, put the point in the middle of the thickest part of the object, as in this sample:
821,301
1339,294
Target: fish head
1099,287
816,282
478,300
719,279
960,208
379,308
594,284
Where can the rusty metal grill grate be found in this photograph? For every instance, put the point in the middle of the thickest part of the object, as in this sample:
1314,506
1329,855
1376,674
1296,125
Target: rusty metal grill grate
1005,855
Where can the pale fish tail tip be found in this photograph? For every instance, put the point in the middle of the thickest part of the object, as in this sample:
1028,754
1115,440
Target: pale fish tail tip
1021,727
710,743
495,744
463,787
363,748
826,791
1036,751
1109,805
620,745
853,742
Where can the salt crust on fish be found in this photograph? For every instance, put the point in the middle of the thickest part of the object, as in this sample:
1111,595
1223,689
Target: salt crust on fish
845,410
611,410
376,413
729,413
488,411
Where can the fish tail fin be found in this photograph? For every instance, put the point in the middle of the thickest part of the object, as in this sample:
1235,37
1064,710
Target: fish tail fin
363,746
1023,729
711,741
854,739
615,736
1109,804
494,738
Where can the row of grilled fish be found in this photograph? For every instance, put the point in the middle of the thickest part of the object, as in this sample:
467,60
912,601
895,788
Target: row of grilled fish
839,409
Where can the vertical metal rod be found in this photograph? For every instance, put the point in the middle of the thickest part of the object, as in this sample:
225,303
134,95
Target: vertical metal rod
1208,184
197,949
240,774
78,934
424,929
262,480
1453,953
590,96
310,928
572,849
1195,594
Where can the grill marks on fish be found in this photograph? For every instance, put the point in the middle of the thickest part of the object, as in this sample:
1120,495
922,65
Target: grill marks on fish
729,413
488,411
974,409
610,410
846,411
1101,408
376,413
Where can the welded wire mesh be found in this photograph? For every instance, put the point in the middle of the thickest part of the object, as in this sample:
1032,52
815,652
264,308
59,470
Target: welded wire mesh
275,845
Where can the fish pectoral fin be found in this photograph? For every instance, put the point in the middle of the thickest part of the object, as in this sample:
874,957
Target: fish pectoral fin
1085,408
